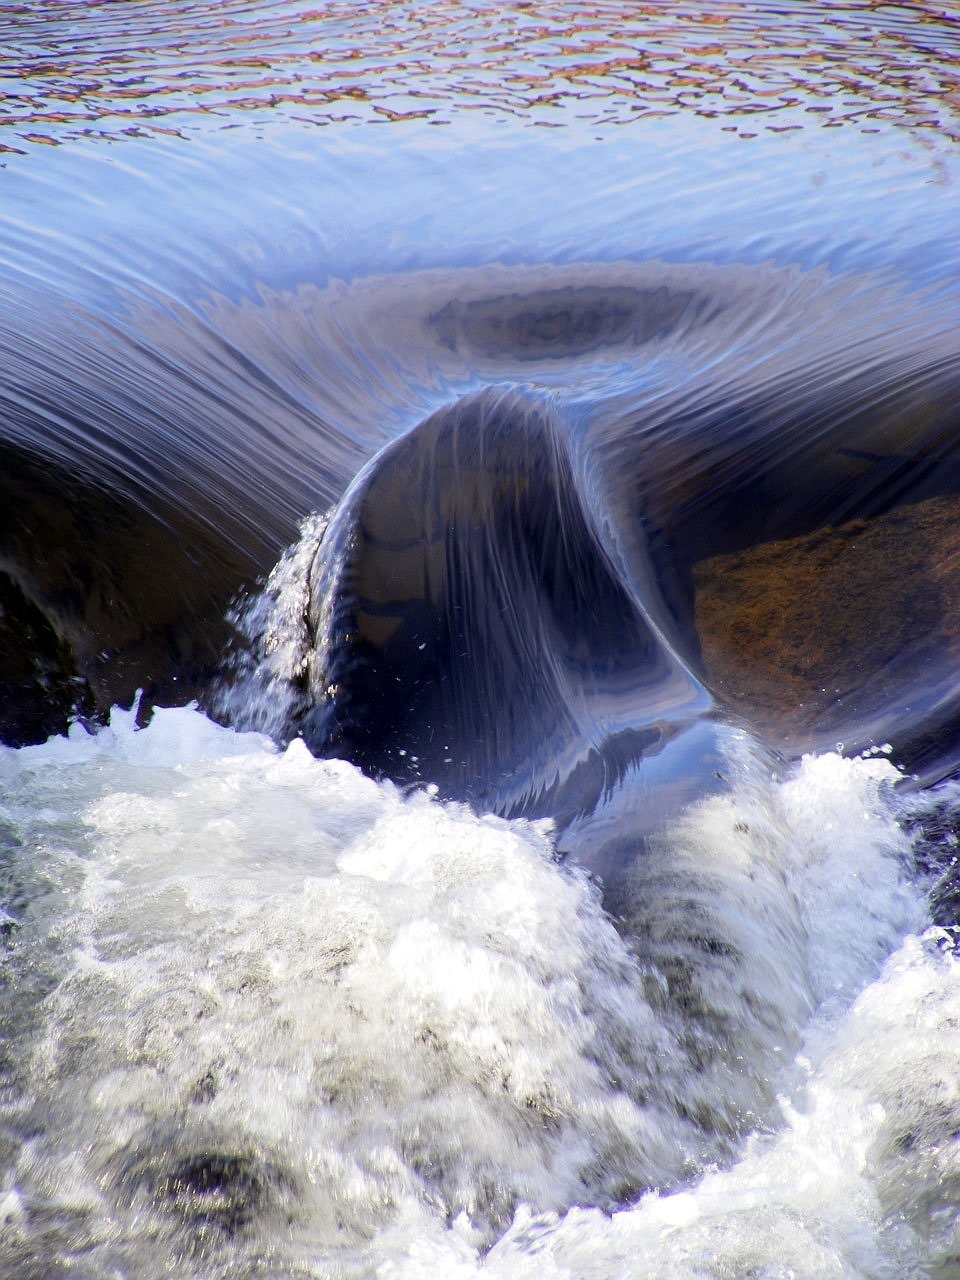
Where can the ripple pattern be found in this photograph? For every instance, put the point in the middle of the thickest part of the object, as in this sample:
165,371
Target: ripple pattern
108,70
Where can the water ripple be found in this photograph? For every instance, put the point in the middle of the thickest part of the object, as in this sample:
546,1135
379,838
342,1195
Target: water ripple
112,71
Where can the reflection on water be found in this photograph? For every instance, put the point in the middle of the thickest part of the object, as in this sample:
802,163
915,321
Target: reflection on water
141,69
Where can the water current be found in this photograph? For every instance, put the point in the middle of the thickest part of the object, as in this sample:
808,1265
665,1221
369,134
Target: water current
479,629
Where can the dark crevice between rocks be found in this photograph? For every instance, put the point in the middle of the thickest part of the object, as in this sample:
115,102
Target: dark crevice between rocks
41,690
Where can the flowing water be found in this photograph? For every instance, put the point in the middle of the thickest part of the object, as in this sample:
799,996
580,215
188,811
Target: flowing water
479,628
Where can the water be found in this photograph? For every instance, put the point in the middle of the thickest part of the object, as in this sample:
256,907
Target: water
548,419
298,1023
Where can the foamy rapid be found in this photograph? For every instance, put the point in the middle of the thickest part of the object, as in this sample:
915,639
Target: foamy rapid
265,1016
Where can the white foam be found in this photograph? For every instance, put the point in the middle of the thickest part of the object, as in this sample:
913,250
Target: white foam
863,1182
298,1017
278,649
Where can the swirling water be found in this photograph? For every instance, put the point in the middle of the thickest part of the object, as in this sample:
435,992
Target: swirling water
548,416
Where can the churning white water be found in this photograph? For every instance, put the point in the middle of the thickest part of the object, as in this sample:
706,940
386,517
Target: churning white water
266,1017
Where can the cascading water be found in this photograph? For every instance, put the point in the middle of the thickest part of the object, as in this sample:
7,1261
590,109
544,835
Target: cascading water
274,1015
542,864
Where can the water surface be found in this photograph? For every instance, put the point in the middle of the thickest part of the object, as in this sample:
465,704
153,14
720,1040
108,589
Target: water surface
544,409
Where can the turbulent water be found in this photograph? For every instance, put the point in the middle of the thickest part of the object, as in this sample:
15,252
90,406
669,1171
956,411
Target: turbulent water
480,629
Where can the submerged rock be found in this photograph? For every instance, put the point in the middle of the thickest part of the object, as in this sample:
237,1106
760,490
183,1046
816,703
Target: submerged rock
851,632
472,629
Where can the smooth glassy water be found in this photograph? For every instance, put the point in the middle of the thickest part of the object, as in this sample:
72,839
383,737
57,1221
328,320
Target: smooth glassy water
479,625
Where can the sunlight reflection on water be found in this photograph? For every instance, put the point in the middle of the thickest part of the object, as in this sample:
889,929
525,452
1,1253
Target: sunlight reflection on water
105,70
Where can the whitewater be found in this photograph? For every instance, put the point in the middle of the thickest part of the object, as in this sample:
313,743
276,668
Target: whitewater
290,1020
478,641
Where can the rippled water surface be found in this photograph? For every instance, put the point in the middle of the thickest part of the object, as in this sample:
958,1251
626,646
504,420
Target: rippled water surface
103,70
516,449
